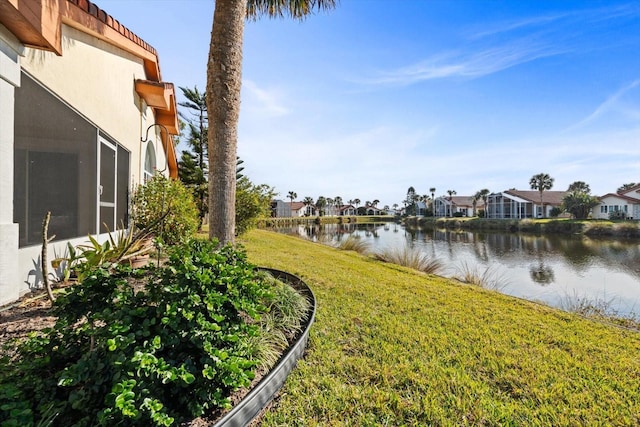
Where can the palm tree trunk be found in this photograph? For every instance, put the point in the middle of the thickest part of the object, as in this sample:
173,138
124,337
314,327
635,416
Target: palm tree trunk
224,78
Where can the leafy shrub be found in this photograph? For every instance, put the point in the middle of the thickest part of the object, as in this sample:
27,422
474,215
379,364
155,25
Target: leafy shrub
252,202
145,355
555,212
166,207
617,215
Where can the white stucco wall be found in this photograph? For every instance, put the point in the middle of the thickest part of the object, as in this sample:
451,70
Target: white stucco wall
97,80
10,51
612,200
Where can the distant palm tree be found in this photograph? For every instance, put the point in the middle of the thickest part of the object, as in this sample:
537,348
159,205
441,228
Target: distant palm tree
425,199
541,182
474,202
308,202
625,187
375,203
320,204
432,190
356,202
451,193
292,195
484,195
338,201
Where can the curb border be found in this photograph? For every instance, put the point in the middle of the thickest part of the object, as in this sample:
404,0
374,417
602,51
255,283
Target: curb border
264,392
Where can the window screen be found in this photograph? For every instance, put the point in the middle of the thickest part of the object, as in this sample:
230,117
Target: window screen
56,169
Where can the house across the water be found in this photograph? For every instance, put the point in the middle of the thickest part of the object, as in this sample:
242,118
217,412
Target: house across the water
517,204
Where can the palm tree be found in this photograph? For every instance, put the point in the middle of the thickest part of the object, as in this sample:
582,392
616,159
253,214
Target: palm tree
356,202
541,182
320,204
625,187
338,201
330,204
224,79
451,193
425,199
375,203
292,195
432,190
484,195
474,201
308,201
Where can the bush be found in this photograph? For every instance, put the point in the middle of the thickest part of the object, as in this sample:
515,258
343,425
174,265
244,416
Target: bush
252,202
146,355
160,197
618,215
555,212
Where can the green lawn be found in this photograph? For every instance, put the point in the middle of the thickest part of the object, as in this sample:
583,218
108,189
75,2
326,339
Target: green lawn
391,346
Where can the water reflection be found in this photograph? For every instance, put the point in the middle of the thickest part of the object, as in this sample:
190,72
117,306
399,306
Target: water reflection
541,273
546,268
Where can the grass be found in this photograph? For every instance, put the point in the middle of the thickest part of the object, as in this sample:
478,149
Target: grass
410,257
489,278
599,308
392,346
354,243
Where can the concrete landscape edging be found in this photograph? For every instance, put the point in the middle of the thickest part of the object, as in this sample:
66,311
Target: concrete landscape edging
258,398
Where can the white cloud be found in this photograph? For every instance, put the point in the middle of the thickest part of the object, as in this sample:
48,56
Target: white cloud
469,64
262,102
613,104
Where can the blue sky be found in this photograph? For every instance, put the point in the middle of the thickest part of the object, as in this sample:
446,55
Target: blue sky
379,95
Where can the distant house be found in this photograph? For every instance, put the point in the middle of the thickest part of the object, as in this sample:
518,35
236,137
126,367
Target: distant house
522,204
347,210
370,210
84,117
282,209
625,202
300,209
446,206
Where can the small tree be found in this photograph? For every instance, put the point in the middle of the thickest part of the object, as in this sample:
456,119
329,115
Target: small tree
166,197
578,202
252,202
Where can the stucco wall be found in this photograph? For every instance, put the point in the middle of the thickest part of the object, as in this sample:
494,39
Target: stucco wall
97,79
10,50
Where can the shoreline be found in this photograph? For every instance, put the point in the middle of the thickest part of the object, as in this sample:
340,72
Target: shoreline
590,227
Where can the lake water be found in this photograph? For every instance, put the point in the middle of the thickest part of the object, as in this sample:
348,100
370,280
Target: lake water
558,270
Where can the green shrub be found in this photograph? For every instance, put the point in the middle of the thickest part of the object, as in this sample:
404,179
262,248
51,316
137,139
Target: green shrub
555,212
252,202
167,208
146,355
617,215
